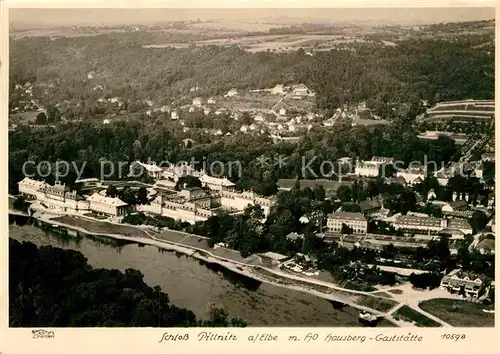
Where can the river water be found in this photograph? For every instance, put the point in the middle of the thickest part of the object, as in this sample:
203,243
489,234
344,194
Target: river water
192,285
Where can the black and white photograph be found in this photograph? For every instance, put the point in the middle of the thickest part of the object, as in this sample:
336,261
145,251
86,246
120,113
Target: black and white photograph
251,167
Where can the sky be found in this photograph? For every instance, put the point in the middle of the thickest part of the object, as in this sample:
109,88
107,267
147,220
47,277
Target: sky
103,16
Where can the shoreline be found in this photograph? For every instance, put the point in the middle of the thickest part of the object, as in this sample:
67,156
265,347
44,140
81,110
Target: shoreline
249,271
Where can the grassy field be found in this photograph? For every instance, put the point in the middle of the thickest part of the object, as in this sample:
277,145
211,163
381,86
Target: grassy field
376,303
23,118
101,226
360,287
383,294
460,313
407,314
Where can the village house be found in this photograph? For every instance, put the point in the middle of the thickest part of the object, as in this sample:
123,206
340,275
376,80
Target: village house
459,208
197,102
278,90
258,117
356,221
211,100
301,90
293,236
486,246
231,93
470,284
488,156
174,115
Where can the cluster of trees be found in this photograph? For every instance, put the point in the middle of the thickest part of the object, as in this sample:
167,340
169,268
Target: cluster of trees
128,195
88,145
425,280
392,80
156,221
52,287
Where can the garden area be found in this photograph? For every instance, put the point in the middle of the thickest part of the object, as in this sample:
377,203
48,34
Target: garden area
407,314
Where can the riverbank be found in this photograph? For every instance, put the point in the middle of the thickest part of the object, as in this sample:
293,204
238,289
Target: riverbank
353,299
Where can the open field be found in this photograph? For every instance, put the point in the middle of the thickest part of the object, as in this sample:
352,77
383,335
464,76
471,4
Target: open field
274,43
264,102
407,314
24,117
460,313
101,226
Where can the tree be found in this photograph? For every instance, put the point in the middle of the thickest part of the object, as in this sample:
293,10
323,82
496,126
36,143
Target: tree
111,191
142,195
319,192
478,221
187,182
20,204
345,230
344,193
41,118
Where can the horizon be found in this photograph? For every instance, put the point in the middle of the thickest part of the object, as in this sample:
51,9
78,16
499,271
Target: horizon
130,16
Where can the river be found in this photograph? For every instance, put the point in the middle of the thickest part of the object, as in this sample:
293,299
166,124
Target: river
192,285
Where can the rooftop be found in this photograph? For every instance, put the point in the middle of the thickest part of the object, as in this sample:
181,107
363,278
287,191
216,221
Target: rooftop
344,215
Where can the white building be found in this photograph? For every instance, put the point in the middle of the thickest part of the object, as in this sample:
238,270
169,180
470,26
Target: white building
414,174
153,170
31,188
374,167
58,197
240,200
231,93
215,183
197,102
211,100
457,227
278,90
174,115
107,205
175,172
356,221
301,90
189,205
457,280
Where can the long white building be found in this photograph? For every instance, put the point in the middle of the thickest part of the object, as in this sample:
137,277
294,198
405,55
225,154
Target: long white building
189,205
240,200
356,221
214,183
433,225
59,198
107,205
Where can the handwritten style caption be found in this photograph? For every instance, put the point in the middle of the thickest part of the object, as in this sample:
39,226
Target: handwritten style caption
259,337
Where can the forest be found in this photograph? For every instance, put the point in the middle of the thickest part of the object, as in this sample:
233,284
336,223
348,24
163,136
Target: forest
52,287
384,76
86,145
